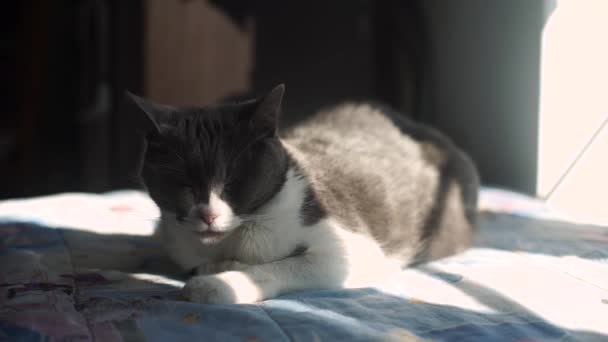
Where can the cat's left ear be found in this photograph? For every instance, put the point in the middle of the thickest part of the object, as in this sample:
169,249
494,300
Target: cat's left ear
154,115
266,115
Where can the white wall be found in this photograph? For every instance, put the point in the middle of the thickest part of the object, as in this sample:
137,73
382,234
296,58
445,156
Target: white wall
574,105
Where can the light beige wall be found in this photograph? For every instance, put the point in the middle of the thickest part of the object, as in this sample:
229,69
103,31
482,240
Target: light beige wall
194,53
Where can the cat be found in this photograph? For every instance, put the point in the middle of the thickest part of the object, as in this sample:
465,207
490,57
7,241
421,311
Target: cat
348,197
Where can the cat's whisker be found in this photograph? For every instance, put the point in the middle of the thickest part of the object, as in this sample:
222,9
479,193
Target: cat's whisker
189,220
244,218
256,218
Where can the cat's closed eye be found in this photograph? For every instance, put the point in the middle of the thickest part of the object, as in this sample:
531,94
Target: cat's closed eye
187,192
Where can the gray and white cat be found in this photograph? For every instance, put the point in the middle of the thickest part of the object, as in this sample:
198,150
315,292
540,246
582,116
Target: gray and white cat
346,198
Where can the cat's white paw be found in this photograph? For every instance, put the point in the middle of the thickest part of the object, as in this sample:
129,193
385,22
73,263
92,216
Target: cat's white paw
233,287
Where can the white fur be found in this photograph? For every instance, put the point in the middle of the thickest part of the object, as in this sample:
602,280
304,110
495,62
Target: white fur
253,262
184,245
225,219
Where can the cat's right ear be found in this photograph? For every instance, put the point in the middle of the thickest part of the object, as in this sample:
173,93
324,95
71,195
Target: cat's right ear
154,114
266,115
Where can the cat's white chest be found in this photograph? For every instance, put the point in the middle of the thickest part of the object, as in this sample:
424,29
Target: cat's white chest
261,244
280,232
249,245
183,247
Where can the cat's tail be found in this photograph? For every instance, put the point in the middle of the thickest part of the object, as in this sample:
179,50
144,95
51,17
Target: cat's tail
452,223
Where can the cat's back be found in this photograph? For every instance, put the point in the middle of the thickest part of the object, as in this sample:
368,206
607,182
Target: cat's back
380,173
351,128
368,137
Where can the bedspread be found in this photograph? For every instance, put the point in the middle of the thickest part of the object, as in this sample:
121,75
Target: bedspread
529,277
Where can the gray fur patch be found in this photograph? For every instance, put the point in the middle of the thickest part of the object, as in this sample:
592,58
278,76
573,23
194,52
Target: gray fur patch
311,211
299,250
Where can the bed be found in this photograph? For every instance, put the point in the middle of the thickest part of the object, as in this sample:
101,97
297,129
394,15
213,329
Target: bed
531,276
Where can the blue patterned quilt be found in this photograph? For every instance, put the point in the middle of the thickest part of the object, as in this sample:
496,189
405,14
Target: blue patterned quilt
530,277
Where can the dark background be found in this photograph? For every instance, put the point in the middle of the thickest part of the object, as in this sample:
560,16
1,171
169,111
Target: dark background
469,67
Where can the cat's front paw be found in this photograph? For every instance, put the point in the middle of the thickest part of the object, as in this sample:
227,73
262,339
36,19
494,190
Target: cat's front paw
232,287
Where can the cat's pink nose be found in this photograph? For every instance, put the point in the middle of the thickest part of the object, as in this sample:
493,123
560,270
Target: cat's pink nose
207,215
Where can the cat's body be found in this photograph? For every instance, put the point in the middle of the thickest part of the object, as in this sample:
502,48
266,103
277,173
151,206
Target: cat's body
342,200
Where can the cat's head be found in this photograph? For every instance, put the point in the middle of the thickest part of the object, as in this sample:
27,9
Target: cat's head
209,168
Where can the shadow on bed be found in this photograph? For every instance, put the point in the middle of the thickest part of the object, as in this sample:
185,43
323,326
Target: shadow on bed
494,300
369,315
120,252
542,236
